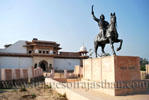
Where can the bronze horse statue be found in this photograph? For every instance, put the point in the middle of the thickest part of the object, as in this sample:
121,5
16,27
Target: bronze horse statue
111,37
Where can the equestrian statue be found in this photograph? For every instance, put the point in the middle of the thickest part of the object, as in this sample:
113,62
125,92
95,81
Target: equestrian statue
108,34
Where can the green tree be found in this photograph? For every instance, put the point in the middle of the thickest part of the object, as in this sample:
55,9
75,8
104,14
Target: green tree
143,62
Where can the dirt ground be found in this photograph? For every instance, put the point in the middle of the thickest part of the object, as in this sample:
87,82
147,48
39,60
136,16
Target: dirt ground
31,94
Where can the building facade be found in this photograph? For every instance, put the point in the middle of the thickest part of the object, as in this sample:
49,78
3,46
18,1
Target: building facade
38,53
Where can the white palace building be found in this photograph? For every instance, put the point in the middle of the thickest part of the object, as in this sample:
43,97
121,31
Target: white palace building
38,53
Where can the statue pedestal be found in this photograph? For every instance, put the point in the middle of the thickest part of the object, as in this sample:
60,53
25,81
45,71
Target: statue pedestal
114,70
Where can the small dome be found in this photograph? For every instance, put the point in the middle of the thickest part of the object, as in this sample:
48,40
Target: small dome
83,48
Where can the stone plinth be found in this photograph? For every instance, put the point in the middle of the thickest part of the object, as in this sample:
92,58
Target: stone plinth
112,70
65,74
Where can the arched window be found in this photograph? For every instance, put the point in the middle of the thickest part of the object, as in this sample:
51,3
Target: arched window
29,51
44,65
35,66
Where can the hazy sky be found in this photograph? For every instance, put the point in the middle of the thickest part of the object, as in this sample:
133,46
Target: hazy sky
69,22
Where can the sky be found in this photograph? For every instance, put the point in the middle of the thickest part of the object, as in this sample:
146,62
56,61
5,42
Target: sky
69,22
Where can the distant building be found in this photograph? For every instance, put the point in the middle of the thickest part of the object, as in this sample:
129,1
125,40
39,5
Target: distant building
37,53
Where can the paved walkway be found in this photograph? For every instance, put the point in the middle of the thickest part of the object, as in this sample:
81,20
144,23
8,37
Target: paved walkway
95,95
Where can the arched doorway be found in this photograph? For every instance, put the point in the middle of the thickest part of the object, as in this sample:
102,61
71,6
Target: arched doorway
44,65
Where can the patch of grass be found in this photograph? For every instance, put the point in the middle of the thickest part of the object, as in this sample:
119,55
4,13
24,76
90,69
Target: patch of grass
3,89
23,89
15,90
6,90
63,97
47,87
50,86
33,96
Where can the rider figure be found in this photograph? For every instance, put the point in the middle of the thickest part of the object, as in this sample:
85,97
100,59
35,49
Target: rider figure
102,24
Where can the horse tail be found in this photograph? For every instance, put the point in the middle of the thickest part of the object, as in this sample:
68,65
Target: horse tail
95,47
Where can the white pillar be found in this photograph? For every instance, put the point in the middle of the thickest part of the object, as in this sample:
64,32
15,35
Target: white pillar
3,75
30,74
13,74
147,68
52,73
21,73
65,73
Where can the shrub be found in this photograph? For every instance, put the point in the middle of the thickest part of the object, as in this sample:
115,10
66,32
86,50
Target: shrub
34,96
23,89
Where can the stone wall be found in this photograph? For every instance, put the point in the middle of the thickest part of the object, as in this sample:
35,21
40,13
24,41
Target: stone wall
71,93
65,64
15,62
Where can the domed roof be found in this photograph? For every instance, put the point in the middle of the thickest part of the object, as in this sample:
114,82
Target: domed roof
83,48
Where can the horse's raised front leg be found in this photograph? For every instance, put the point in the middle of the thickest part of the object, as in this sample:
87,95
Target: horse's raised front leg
95,48
121,41
112,47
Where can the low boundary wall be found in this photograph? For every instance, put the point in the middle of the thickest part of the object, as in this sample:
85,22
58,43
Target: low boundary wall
19,73
71,95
